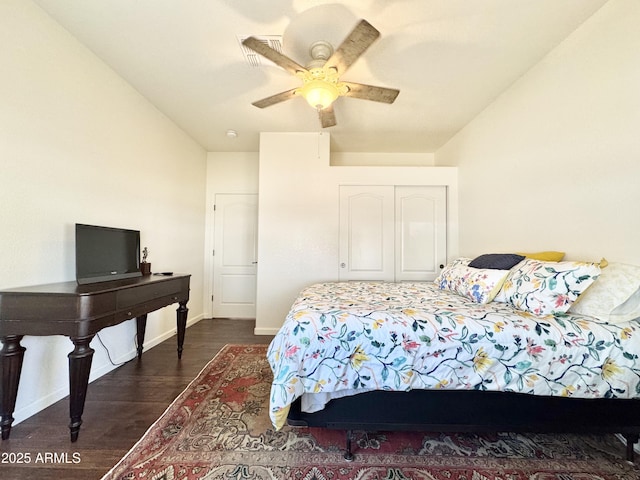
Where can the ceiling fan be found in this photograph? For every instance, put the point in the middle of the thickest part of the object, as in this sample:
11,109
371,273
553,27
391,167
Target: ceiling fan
321,84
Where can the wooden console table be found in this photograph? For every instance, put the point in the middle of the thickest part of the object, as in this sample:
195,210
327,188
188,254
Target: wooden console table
78,312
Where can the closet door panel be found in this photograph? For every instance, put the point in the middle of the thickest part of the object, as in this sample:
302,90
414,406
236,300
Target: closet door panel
420,232
366,233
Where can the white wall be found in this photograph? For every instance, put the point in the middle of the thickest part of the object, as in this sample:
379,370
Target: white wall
298,216
369,159
554,163
78,144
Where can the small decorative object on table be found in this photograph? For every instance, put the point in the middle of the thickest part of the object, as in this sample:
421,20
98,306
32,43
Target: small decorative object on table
145,267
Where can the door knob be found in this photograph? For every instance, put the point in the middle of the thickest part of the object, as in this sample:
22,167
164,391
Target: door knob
343,265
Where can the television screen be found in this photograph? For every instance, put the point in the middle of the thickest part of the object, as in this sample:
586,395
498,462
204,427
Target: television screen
105,253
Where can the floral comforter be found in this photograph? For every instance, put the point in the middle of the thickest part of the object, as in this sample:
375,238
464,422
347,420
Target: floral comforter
358,336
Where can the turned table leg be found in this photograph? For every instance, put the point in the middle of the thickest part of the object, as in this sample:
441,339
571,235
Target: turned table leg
181,323
631,441
79,369
11,357
141,327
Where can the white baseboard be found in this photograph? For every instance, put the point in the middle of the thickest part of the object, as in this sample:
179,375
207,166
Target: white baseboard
60,393
148,344
265,331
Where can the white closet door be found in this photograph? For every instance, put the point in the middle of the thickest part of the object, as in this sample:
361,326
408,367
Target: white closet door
420,233
392,233
366,233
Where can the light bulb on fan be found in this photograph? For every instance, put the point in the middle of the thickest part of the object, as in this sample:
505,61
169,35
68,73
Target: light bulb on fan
319,93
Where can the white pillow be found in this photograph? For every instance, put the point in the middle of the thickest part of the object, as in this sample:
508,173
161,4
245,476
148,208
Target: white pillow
617,285
629,310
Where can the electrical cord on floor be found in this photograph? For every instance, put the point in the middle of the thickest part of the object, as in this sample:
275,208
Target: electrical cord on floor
108,353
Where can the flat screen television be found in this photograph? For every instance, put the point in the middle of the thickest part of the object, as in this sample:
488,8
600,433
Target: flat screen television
104,253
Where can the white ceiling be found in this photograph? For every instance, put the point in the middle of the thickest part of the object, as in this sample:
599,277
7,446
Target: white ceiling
449,58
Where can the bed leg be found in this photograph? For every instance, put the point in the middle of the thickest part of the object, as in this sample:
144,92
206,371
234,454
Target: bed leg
631,441
348,456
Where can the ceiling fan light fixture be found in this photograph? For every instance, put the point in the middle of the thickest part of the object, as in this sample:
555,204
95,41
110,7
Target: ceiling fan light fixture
319,93
321,84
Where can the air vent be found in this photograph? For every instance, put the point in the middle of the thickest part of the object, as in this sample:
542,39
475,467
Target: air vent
251,57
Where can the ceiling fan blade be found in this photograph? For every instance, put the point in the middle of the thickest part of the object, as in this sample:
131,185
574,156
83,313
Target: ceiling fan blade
277,98
369,92
360,38
275,56
327,117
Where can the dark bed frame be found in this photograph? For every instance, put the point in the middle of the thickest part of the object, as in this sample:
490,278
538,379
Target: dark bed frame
473,411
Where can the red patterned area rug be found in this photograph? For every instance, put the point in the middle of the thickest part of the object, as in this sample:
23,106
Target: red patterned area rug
219,428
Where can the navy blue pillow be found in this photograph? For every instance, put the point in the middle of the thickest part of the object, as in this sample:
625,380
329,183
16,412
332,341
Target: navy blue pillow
496,261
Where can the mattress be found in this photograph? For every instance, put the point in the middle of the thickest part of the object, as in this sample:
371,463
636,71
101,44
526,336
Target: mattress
343,338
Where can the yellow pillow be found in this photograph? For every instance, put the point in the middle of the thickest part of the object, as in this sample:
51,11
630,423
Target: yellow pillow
549,256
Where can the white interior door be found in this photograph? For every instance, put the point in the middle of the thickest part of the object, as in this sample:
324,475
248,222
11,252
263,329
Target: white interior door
235,255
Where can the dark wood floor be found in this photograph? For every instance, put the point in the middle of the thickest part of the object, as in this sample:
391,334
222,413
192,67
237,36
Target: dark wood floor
119,408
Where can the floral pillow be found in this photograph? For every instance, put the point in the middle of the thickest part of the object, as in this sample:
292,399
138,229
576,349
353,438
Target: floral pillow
446,271
547,287
477,284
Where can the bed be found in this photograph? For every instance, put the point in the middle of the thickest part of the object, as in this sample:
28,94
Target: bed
479,349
